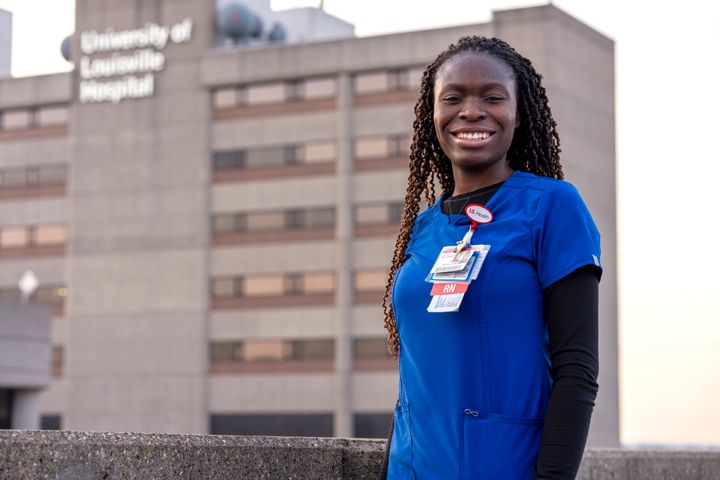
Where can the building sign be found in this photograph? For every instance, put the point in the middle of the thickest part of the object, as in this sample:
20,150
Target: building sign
135,57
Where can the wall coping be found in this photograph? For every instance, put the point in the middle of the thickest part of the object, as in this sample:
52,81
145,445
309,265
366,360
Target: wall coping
76,455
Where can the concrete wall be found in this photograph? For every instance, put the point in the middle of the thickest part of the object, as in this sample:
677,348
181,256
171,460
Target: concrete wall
28,455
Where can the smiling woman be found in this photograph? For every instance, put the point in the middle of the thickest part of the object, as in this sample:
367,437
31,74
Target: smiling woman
498,374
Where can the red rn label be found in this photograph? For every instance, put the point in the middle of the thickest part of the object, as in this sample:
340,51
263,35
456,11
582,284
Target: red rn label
448,288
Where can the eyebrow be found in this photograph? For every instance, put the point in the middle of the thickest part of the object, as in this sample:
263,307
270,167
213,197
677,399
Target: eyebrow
463,87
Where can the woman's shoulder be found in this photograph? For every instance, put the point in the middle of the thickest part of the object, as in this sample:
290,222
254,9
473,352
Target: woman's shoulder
549,189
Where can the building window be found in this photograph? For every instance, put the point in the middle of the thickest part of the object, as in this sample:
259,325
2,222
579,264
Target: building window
262,94
49,295
6,401
16,119
57,361
53,295
376,147
51,174
265,221
378,214
372,425
225,97
318,283
372,82
280,350
275,424
314,152
274,221
34,236
227,287
32,176
265,286
51,115
277,285
370,349
395,80
318,88
371,280
46,235
51,422
269,157
14,237
274,93
26,118
276,156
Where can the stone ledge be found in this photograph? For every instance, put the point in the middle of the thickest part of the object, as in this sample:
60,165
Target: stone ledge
69,455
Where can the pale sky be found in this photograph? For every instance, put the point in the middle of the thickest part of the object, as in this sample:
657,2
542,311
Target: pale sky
667,67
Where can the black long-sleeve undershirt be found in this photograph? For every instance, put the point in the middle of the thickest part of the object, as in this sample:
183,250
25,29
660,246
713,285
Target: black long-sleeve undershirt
571,310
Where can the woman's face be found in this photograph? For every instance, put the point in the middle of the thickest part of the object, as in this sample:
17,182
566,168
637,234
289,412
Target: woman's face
475,112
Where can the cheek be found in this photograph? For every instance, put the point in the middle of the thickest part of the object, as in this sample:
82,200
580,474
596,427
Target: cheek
437,123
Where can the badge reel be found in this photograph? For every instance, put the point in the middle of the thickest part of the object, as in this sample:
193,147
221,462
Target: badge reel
458,265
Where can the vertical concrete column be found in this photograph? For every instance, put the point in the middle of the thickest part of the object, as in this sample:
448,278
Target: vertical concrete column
26,410
343,273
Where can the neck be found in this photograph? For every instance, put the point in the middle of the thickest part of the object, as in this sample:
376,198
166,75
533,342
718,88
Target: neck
468,181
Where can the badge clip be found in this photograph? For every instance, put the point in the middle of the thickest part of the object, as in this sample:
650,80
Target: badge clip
477,214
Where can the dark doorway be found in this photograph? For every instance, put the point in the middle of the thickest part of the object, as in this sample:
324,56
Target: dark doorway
6,397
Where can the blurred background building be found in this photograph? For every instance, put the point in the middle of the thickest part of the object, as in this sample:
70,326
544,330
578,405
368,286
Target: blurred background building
210,200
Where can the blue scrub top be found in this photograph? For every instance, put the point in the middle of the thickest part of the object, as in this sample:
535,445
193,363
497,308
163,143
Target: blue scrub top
474,384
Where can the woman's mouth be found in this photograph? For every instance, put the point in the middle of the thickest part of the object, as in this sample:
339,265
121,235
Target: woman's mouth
472,139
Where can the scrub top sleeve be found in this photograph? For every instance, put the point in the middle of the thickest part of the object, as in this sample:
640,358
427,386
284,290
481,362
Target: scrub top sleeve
565,235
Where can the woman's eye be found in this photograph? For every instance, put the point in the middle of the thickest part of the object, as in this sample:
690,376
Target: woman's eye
494,99
451,99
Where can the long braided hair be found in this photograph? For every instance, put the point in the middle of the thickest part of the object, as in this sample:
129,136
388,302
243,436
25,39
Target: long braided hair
535,146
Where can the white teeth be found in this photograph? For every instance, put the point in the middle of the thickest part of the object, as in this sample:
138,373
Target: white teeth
473,135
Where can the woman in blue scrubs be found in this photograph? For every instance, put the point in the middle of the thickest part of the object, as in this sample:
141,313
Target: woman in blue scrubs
503,387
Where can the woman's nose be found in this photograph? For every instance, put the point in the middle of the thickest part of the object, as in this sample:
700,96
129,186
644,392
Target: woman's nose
472,111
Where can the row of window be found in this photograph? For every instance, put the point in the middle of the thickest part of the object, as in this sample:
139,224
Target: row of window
319,88
278,156
249,351
272,221
364,148
53,295
33,117
366,425
385,213
32,236
32,176
285,284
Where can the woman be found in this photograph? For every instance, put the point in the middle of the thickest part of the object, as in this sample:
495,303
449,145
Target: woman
503,387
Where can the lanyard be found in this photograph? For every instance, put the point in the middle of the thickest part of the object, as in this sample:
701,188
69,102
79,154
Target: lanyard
478,214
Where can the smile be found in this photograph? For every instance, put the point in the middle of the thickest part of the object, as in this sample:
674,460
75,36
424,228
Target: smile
472,135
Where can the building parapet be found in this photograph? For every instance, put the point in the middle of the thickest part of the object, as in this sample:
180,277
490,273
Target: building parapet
65,455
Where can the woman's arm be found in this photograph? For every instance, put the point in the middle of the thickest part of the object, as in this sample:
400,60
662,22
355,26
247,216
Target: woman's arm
571,306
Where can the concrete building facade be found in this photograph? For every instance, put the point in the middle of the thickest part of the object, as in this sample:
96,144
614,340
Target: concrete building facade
213,228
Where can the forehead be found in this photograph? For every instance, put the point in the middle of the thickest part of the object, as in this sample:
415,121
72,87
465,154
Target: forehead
474,67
